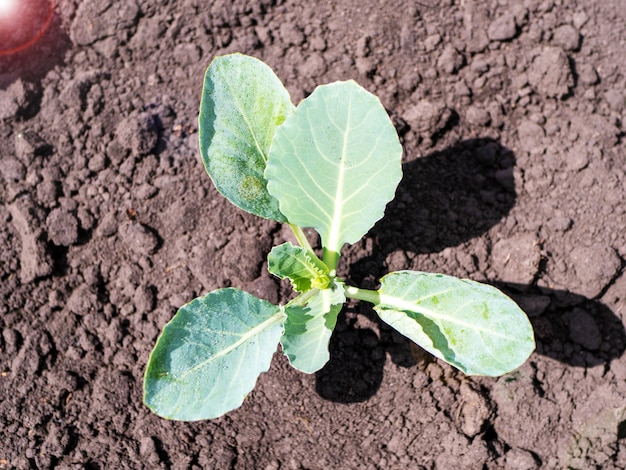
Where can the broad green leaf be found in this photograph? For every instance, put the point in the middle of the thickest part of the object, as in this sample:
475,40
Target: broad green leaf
308,328
305,270
470,325
210,354
243,103
334,164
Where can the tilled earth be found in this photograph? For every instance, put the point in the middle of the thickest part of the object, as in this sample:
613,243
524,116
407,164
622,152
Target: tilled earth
511,116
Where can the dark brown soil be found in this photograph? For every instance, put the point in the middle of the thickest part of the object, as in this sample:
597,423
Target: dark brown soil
512,120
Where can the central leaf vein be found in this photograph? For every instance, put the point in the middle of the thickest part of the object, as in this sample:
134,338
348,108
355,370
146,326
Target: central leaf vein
247,336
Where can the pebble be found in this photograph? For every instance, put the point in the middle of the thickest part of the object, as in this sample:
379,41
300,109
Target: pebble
62,227
530,135
550,73
48,192
615,100
12,169
431,42
450,60
92,23
138,238
28,145
577,157
108,225
580,18
12,340
291,34
315,66
477,116
566,37
16,99
149,451
144,299
474,411
365,66
187,54
516,259
502,28
587,75
427,117
520,459
146,191
138,133
397,260
560,224
595,267
533,305
35,261
85,218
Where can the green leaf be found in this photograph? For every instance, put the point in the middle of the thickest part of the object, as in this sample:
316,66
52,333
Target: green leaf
334,164
210,354
243,103
305,270
308,328
472,326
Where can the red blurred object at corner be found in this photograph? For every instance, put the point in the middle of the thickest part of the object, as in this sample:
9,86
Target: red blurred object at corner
23,23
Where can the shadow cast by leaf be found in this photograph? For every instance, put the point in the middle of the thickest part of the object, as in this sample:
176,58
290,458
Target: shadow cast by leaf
449,197
444,199
355,369
569,327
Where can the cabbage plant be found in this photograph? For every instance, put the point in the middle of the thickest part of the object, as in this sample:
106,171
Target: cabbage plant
330,164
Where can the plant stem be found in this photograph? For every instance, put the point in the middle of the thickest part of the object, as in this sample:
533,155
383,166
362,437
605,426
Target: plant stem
367,295
302,298
331,259
301,237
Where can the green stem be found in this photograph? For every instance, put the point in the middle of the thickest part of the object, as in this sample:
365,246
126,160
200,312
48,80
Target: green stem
302,298
367,295
330,259
301,237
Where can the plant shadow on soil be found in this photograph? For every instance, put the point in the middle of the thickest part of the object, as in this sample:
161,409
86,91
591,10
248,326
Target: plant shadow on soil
444,199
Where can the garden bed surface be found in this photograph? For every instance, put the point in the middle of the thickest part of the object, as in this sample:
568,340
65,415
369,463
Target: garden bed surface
511,115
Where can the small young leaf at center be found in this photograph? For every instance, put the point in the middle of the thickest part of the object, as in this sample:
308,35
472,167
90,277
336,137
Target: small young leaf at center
302,268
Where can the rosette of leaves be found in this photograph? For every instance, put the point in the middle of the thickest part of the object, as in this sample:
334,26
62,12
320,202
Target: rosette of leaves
331,164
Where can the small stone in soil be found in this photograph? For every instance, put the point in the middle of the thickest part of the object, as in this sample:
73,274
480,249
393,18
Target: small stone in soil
427,116
138,238
517,258
595,267
450,60
615,100
16,99
35,261
550,74
62,227
587,75
566,37
502,28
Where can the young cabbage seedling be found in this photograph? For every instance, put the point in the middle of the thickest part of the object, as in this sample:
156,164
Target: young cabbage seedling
332,164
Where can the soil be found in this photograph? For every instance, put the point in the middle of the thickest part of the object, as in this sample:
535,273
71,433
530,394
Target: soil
511,116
